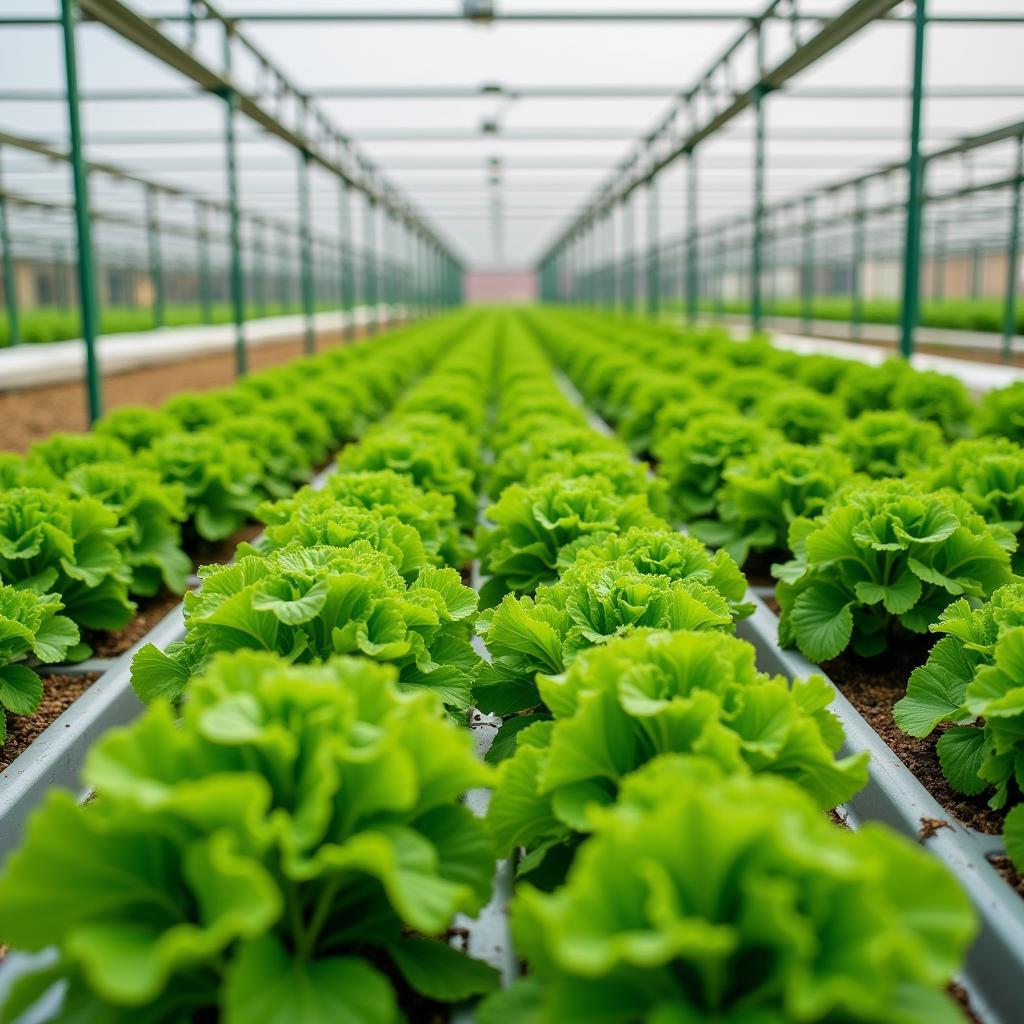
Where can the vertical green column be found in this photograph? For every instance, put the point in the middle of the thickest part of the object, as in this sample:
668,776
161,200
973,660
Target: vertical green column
757,228
857,275
10,288
653,263
203,262
345,252
628,251
1013,257
370,262
83,224
259,269
234,216
939,261
156,265
807,275
723,267
915,190
975,271
692,253
306,255
60,281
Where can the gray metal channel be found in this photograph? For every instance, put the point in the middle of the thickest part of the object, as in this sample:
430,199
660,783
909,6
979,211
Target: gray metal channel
995,964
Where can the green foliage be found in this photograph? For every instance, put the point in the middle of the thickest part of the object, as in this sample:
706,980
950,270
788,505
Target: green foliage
693,459
71,547
137,426
937,397
530,526
735,899
61,453
273,444
1001,413
17,471
763,493
748,387
888,556
867,388
291,849
150,511
220,478
308,604
531,456
884,444
655,693
800,414
29,626
972,681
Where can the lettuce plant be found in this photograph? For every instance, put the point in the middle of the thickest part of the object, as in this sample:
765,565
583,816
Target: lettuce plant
637,421
1000,413
591,603
292,848
530,526
137,426
748,387
824,374
972,682
937,397
151,512
17,471
71,547
708,896
311,432
884,444
989,473
867,388
675,416
763,493
61,453
308,604
800,414
221,479
531,455
30,625
283,463
652,693
197,410
889,556
693,459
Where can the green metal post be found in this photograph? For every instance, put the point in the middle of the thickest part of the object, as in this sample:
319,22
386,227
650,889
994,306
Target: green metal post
628,250
857,275
915,190
306,255
203,263
807,275
156,264
757,241
976,271
60,281
370,263
653,264
939,261
1013,257
80,175
692,253
234,216
259,269
10,287
345,248
723,266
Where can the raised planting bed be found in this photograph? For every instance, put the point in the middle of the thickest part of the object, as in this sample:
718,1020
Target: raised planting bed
55,756
894,796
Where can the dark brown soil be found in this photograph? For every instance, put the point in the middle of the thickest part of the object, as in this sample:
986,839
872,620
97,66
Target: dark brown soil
27,416
873,685
59,693
151,611
1010,875
961,998
206,552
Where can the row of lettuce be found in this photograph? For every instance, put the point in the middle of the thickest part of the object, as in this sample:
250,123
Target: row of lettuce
882,524
91,522
280,837
287,841
665,800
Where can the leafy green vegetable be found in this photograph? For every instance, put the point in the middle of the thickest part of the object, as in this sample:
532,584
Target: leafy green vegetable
137,426
800,414
150,510
1001,413
867,388
61,453
973,682
29,625
692,460
937,397
884,444
71,547
887,556
762,493
735,899
286,851
652,693
308,604
273,444
220,478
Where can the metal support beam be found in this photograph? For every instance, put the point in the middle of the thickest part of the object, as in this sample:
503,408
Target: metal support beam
628,255
203,263
757,247
234,229
857,275
915,188
370,264
86,281
1013,258
156,265
653,263
306,256
939,261
807,275
345,255
692,254
10,288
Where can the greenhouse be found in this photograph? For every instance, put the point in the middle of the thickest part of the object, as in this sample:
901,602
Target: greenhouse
510,512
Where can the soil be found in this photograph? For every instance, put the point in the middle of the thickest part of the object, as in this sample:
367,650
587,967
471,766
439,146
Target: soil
220,552
35,413
961,998
151,611
59,693
1010,875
